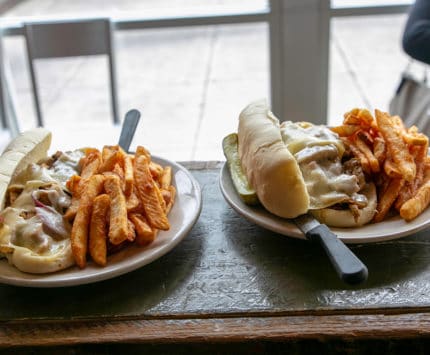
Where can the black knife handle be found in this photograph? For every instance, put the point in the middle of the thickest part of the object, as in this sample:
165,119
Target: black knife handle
349,268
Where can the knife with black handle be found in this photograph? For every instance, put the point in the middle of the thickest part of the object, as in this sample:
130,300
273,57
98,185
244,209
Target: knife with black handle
349,268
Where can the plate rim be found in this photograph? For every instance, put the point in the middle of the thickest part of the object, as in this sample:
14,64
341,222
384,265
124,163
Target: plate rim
285,227
41,282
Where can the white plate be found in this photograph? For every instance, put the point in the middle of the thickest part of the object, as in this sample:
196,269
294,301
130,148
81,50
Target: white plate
391,228
182,217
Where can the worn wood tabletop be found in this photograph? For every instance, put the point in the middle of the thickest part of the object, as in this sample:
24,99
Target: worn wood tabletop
230,281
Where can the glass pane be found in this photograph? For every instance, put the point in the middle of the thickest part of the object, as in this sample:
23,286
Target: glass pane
118,8
363,3
366,61
189,83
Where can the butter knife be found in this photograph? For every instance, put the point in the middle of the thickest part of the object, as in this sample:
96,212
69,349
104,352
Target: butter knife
349,268
129,126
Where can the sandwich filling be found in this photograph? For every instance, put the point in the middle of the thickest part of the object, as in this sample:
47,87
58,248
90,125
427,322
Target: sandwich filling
329,179
34,236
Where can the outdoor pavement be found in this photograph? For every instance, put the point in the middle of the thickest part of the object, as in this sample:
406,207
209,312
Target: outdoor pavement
191,83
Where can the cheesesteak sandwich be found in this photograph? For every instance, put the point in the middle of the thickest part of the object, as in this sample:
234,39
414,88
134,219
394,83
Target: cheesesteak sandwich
299,167
34,236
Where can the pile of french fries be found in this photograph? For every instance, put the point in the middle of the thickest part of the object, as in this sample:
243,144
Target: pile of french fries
394,157
118,199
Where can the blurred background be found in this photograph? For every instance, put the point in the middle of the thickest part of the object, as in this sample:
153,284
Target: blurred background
190,67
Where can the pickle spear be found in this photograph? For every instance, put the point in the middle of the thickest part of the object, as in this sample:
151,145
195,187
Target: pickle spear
240,182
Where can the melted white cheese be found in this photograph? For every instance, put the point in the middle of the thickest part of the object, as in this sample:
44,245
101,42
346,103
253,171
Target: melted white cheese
34,236
318,151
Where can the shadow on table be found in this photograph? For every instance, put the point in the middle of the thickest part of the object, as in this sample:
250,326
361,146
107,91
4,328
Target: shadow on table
131,294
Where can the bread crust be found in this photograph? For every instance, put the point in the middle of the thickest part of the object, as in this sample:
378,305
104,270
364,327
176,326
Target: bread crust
270,168
344,218
29,147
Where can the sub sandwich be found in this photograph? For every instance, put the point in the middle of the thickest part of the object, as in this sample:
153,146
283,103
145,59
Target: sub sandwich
34,236
298,167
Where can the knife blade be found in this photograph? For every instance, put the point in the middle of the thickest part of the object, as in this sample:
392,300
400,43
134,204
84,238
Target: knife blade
347,265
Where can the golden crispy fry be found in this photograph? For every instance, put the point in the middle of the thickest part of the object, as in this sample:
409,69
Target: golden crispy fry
143,151
391,169
118,225
414,206
149,194
120,172
415,139
79,234
131,235
358,116
387,199
397,148
359,155
345,130
128,175
144,233
108,150
419,153
166,177
379,150
156,170
132,202
112,160
373,162
91,164
99,229
172,199
118,196
75,186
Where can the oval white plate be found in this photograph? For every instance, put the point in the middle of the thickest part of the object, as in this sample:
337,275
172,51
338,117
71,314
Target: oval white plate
182,217
391,228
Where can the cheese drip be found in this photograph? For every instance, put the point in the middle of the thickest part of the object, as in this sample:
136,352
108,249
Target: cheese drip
318,152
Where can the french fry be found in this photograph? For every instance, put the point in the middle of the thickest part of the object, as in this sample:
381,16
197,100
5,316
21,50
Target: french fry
144,233
128,175
91,165
120,172
75,187
397,148
156,170
166,177
414,206
132,202
142,151
109,163
388,197
131,235
419,153
172,199
345,130
379,150
359,155
149,194
118,199
373,162
358,116
79,234
99,229
391,169
107,151
118,225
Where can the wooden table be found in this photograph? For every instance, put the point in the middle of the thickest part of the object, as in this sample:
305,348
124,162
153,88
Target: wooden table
231,285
